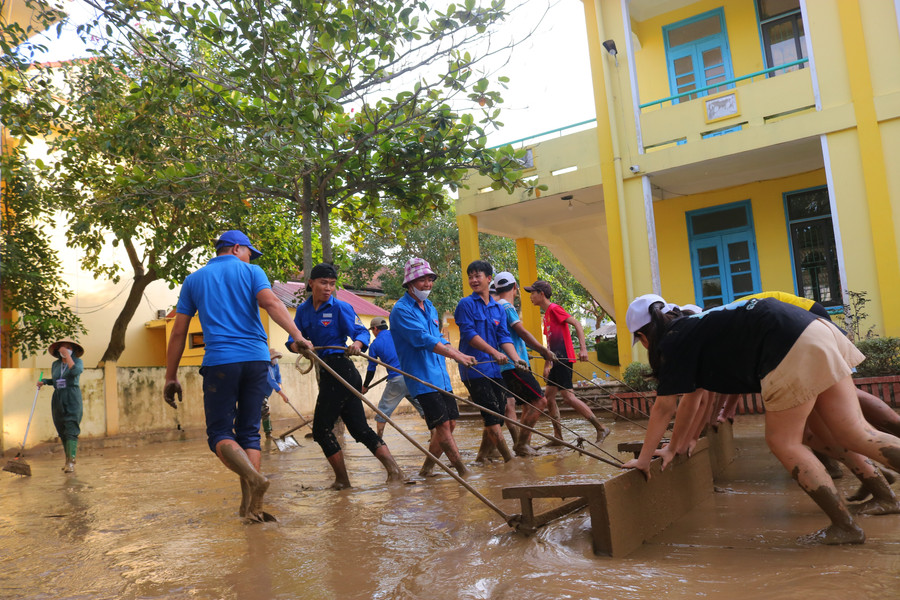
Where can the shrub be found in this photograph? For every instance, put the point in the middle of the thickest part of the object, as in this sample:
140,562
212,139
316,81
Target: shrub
882,357
637,377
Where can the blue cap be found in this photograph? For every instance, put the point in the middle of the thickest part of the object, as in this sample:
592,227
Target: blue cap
234,237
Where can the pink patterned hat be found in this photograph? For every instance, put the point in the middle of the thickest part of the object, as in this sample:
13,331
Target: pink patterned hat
415,268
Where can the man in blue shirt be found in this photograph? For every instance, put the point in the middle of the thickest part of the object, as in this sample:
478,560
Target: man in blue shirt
228,293
421,350
395,389
483,334
327,321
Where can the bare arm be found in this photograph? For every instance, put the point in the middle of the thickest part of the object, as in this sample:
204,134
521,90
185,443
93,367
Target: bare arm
531,341
660,415
269,302
173,357
579,332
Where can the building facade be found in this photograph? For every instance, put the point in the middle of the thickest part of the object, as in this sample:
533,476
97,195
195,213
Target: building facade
740,146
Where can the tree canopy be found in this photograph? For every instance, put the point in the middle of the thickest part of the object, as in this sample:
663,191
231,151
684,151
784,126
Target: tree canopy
294,120
33,293
383,255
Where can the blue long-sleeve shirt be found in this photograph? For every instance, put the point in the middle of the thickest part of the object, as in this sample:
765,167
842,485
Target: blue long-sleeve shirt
415,333
330,325
382,348
273,378
487,321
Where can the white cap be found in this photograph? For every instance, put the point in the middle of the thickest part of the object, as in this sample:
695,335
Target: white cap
692,307
669,307
503,279
638,313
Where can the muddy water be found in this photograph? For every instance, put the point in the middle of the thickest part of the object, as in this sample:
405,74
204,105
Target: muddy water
159,521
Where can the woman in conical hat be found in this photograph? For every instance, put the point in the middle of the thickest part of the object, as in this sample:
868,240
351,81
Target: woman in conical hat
66,405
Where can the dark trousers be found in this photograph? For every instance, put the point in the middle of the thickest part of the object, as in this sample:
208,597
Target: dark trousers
334,401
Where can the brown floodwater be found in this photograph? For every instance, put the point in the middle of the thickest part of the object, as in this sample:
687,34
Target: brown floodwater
160,521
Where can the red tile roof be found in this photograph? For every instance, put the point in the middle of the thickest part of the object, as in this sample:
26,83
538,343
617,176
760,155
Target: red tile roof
291,294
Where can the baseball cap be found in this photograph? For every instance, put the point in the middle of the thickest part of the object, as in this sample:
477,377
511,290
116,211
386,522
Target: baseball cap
415,268
323,271
503,279
638,313
233,237
692,307
378,323
540,286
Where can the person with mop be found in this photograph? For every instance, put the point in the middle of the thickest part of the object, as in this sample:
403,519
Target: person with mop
65,405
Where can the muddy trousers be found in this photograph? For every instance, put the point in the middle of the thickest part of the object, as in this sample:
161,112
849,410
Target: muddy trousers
65,406
335,401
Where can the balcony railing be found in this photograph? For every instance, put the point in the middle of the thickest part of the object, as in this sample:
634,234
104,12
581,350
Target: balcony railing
723,84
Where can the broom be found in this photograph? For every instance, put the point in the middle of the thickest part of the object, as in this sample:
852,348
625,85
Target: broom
18,465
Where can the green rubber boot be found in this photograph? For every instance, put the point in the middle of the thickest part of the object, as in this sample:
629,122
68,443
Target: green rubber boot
71,447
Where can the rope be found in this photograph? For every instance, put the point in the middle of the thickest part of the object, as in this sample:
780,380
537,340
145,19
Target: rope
618,414
471,403
559,422
511,520
565,363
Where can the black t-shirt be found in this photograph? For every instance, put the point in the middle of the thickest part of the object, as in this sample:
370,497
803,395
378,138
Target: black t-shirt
729,349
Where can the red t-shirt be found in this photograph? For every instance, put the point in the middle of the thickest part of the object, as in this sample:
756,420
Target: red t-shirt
556,330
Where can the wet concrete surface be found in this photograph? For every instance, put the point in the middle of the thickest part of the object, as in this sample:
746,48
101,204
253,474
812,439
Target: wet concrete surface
160,521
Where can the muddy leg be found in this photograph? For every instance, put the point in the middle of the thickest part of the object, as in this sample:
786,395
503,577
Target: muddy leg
784,436
511,414
390,465
242,462
341,478
485,449
495,435
585,411
553,409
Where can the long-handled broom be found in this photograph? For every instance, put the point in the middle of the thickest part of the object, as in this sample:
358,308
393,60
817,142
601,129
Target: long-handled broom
18,465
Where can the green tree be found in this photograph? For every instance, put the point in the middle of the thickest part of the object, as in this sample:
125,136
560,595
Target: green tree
137,163
342,108
383,255
32,291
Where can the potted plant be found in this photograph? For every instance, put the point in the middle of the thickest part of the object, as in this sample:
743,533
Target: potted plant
879,374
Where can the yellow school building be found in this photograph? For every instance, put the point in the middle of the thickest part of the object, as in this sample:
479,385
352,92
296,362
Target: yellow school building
740,146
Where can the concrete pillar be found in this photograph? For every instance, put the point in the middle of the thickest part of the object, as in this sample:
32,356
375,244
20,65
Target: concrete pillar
874,168
468,245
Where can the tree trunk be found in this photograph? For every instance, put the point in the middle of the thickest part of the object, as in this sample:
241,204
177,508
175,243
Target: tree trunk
305,202
120,327
325,227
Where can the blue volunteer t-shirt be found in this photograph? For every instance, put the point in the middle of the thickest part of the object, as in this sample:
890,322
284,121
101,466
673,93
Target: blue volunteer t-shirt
382,348
224,294
330,325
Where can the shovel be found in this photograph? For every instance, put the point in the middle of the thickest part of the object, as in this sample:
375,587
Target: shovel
285,441
18,465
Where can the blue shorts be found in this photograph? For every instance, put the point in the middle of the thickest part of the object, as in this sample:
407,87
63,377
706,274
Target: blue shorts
232,398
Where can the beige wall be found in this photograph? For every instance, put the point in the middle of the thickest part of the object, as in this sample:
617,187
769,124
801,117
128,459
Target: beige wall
140,399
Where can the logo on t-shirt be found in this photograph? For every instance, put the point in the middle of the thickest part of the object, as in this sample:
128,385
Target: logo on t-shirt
326,319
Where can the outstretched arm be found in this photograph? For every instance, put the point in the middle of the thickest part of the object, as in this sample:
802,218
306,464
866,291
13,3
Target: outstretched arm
269,302
660,415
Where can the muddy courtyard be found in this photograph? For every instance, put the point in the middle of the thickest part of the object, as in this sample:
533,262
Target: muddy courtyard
160,521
